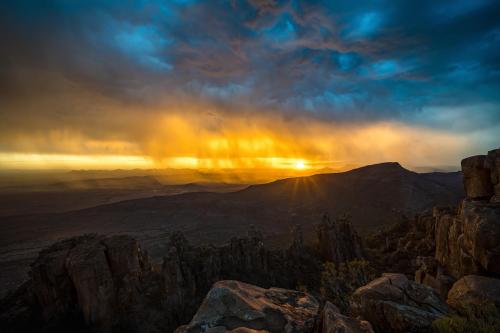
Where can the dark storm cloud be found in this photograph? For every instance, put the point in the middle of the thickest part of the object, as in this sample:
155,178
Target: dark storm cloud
341,60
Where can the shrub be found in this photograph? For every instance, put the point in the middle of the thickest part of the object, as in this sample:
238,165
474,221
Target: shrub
482,318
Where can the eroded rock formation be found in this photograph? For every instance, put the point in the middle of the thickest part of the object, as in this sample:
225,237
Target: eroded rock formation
468,238
447,243
482,176
432,274
107,283
102,282
338,241
468,242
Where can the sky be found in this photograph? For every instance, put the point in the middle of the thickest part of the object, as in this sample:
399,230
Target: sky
247,84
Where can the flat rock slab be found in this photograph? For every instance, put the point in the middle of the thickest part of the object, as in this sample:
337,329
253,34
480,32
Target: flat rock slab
233,306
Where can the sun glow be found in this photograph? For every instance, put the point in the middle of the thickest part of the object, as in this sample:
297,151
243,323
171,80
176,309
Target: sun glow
221,142
300,165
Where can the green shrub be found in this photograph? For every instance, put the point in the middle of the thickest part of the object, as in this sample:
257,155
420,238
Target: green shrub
482,318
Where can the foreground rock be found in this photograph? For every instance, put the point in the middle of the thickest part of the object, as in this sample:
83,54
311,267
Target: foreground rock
393,304
233,306
332,321
473,291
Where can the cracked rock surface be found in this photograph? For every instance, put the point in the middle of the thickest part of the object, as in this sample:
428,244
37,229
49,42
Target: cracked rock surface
393,304
233,306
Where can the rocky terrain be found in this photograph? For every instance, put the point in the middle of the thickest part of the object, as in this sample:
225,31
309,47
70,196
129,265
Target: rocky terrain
109,283
443,277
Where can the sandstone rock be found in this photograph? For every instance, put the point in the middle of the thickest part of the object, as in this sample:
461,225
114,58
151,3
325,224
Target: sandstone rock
232,306
332,321
477,177
469,242
474,290
393,304
338,241
482,176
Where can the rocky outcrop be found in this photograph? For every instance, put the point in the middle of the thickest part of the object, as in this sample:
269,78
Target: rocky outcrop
482,176
467,238
468,242
233,306
473,291
431,274
100,281
332,321
107,283
477,181
393,304
188,272
338,241
396,248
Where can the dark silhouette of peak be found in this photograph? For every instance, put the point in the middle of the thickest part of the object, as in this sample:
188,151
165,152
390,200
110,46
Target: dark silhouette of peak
382,167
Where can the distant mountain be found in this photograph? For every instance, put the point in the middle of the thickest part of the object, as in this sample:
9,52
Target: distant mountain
124,183
64,196
373,196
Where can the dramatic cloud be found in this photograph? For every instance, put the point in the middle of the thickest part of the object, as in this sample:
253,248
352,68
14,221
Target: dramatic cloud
237,83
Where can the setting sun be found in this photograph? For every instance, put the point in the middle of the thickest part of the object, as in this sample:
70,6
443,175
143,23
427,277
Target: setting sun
300,165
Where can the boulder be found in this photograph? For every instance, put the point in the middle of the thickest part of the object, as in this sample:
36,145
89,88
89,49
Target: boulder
332,321
474,291
233,306
393,304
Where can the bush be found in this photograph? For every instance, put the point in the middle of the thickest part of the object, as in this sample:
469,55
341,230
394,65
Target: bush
339,282
482,318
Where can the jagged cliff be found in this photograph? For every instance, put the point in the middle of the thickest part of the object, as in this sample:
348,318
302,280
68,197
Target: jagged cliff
109,283
467,238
